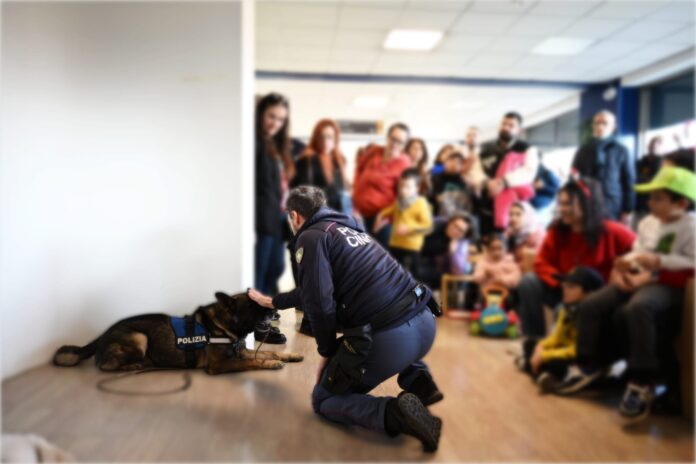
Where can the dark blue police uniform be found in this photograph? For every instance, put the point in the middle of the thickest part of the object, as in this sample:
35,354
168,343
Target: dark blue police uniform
345,278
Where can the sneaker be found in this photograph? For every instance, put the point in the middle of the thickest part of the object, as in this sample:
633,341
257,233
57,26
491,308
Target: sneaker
305,328
636,402
406,414
425,389
269,334
275,316
520,363
547,383
578,379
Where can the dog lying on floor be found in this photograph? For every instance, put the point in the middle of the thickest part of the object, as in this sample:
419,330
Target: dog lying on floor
213,339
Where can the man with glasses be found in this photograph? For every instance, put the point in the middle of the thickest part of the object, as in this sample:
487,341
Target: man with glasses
376,176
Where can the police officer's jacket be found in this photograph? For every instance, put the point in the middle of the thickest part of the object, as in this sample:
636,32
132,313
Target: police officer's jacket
345,277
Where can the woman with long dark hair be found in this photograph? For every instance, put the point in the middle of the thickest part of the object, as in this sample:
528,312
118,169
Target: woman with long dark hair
418,152
581,236
323,165
274,169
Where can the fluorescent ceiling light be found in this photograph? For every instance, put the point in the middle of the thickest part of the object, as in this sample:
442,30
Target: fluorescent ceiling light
370,102
562,46
403,39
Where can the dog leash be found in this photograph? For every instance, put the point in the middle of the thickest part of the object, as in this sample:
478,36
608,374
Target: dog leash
101,385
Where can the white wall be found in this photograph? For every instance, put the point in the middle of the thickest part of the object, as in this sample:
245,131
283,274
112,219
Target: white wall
126,174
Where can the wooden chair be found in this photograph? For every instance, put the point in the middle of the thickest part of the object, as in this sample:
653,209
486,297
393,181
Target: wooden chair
445,284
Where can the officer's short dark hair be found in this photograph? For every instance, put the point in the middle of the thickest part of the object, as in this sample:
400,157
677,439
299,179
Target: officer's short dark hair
514,115
305,200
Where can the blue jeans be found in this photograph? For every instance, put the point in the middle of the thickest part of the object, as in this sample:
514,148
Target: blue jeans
270,263
399,350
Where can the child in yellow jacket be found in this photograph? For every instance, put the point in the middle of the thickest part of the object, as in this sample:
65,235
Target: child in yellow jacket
411,220
547,360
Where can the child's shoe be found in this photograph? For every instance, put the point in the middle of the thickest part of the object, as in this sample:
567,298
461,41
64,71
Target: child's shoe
578,379
547,383
636,402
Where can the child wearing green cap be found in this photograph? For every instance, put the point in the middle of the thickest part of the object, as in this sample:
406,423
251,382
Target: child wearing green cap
638,312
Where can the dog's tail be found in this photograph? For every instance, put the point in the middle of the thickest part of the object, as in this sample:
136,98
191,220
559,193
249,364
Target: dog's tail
70,355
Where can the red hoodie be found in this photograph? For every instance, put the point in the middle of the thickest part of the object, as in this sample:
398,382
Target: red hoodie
562,251
375,182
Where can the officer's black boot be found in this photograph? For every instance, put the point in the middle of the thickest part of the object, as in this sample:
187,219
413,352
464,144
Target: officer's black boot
406,414
266,333
425,389
305,328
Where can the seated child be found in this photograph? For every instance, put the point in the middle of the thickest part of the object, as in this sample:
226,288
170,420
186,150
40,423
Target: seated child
642,305
411,221
547,360
461,233
496,266
523,232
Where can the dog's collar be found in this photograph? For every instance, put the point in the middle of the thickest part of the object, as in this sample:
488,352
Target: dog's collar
216,340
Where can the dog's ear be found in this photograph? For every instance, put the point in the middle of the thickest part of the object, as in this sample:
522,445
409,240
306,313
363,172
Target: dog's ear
225,300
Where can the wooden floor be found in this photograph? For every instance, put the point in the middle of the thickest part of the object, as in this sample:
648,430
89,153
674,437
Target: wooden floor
491,413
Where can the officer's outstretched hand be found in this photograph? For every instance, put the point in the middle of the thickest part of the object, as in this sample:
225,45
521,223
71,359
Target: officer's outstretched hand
260,298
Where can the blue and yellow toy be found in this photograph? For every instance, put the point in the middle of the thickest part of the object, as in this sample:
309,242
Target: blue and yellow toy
494,320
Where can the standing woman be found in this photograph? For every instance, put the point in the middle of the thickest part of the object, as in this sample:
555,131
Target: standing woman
274,168
323,165
418,152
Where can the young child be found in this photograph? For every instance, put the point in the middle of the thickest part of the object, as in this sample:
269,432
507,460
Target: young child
411,221
523,232
461,235
547,360
643,302
496,266
450,193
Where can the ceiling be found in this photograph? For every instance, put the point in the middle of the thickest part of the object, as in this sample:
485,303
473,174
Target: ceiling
482,38
489,39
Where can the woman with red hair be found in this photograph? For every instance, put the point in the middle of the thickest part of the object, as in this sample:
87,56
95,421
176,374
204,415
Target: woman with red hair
322,164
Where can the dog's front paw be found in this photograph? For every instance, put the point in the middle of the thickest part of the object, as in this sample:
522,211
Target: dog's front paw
273,364
294,357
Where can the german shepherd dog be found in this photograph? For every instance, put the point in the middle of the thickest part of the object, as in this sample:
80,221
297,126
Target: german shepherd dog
148,340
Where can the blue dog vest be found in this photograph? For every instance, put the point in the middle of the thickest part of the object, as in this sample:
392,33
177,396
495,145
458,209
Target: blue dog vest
195,338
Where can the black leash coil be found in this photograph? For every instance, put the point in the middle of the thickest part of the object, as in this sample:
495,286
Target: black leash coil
102,384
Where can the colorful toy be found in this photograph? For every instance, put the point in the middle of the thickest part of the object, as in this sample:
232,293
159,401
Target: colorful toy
494,320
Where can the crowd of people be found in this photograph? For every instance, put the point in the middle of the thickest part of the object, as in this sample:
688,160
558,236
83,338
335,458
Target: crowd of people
611,265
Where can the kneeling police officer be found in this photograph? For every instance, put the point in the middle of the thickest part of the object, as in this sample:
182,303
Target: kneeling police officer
347,281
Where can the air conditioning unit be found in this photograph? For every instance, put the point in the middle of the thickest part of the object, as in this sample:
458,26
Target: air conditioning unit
348,126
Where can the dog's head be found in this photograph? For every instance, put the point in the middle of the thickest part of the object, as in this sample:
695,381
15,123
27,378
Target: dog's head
235,316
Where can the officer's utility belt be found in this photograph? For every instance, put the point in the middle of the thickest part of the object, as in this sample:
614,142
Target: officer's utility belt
345,370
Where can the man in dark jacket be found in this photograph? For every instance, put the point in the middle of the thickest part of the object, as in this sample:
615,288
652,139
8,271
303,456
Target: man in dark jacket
605,159
347,280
